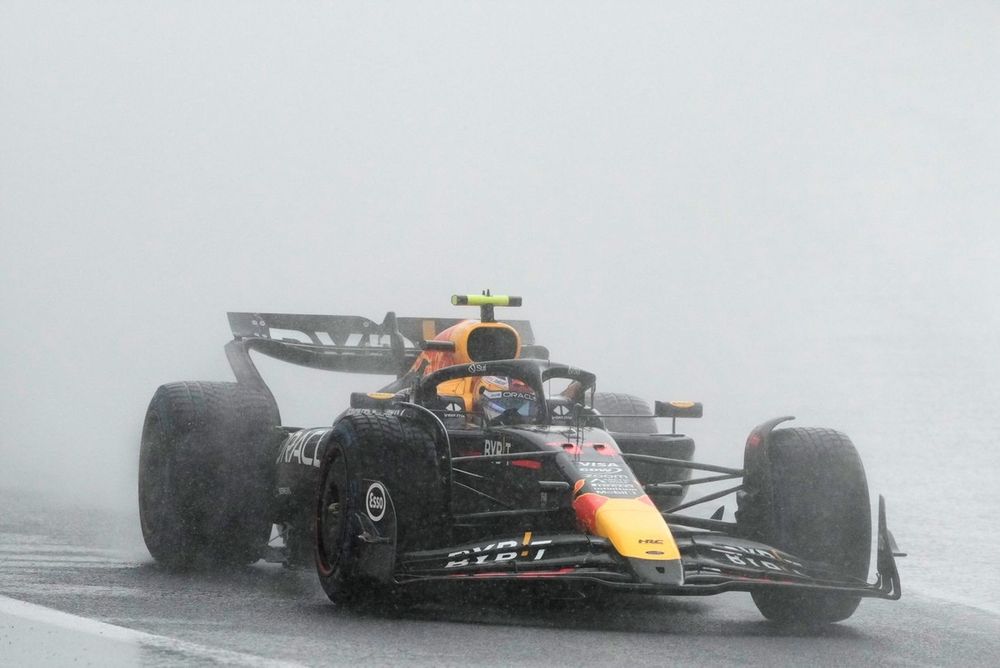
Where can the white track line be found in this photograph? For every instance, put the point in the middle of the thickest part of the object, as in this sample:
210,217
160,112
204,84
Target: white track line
43,615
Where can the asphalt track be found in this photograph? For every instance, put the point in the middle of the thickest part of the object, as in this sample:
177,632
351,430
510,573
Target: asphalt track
88,564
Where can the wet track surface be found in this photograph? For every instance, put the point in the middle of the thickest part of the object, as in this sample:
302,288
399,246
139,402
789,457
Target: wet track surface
89,564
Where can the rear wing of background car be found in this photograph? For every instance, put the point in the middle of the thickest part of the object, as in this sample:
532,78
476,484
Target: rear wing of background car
346,343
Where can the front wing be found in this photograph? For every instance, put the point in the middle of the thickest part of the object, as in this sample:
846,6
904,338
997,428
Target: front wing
710,563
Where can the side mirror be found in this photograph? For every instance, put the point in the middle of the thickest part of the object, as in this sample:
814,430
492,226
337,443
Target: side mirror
677,409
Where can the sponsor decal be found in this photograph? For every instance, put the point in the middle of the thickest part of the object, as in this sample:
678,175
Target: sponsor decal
364,337
499,552
618,489
376,499
753,551
650,541
302,447
737,560
599,469
755,557
509,394
496,447
609,479
477,368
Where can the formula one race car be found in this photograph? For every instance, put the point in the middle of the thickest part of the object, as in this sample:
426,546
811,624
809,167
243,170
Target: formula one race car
485,462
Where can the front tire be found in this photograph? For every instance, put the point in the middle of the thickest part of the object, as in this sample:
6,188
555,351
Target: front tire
806,494
402,456
336,545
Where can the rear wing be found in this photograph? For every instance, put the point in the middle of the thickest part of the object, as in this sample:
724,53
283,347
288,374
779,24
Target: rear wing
346,343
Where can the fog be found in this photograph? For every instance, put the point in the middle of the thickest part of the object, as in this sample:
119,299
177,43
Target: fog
770,209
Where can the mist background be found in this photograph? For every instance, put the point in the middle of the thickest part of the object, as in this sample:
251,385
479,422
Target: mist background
770,209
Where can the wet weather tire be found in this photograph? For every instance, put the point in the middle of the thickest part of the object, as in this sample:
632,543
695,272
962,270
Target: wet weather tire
806,494
400,454
613,403
205,473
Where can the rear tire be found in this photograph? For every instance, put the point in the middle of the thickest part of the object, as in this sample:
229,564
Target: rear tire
613,403
645,440
806,494
205,474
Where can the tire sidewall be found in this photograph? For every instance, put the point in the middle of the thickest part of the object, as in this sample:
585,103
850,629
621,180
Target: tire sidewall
165,520
335,563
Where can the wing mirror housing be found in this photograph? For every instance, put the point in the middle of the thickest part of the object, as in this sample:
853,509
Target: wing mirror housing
677,409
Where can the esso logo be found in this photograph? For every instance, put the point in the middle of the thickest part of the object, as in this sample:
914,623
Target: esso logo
376,500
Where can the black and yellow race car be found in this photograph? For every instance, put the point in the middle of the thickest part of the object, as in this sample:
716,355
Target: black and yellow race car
484,461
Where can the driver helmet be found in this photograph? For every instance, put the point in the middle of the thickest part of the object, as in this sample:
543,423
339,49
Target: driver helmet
503,400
